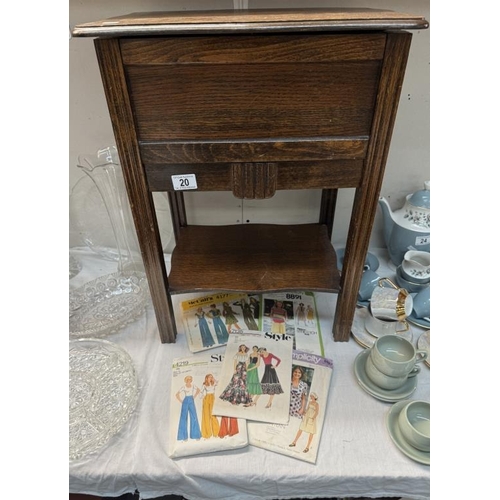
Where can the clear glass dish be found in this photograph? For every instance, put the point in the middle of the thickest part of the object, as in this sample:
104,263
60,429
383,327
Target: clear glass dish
75,266
103,393
107,304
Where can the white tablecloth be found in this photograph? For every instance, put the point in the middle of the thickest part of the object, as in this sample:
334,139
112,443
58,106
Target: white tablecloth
356,456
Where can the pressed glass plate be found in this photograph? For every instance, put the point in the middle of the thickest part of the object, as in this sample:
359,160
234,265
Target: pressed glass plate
103,391
107,304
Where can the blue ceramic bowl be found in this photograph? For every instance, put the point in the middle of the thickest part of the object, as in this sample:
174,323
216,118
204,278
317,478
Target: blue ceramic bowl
413,279
411,286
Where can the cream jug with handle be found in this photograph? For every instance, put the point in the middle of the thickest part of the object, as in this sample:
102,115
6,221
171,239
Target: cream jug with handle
416,266
408,228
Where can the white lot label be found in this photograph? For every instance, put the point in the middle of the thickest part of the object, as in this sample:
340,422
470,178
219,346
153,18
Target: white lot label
422,240
185,181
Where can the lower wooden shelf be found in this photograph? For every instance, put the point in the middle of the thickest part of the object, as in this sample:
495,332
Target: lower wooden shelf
254,258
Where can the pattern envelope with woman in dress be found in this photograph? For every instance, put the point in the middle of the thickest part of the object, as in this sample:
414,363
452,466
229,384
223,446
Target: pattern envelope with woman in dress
253,383
194,428
309,381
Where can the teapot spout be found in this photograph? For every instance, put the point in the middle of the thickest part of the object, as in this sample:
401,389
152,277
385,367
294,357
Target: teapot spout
388,219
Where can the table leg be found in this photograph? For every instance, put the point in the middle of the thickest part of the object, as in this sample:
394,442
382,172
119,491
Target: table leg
141,199
327,210
367,194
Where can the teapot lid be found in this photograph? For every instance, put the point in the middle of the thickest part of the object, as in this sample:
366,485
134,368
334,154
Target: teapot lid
422,199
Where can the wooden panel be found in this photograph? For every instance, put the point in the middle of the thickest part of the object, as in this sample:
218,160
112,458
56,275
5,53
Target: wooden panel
251,49
290,175
254,258
366,197
141,200
247,151
177,211
254,181
210,102
327,210
251,20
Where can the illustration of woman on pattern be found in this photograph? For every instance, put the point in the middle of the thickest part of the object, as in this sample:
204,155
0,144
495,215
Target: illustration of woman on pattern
278,316
270,382
188,411
298,393
219,326
209,423
253,383
301,313
310,314
228,427
308,423
236,391
248,315
206,337
255,306
230,315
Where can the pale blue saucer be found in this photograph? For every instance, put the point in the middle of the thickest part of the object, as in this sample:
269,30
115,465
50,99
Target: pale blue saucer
398,439
423,323
386,395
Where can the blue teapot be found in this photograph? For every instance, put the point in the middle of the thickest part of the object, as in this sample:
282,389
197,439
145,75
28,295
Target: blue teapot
408,228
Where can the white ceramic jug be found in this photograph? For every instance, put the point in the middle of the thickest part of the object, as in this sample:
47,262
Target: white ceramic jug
416,266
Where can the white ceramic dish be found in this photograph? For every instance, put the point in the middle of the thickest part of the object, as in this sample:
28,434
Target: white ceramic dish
386,395
361,335
103,393
398,439
424,342
107,304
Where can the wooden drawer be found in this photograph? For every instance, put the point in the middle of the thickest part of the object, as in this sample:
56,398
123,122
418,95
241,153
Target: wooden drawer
286,175
200,91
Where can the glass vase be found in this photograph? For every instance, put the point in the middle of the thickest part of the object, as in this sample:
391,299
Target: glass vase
107,304
105,171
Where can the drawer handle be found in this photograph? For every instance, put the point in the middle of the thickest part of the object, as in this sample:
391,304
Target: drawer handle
254,181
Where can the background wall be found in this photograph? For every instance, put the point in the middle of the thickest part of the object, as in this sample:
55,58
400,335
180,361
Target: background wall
90,129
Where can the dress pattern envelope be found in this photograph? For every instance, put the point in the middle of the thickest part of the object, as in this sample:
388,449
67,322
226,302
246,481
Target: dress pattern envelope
194,428
210,319
309,383
253,380
295,314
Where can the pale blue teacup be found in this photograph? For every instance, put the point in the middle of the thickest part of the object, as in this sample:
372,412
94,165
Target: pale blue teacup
422,303
369,282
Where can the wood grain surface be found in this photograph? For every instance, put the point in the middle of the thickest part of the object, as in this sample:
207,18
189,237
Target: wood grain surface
367,195
141,200
300,149
252,114
254,258
253,50
252,101
252,20
290,175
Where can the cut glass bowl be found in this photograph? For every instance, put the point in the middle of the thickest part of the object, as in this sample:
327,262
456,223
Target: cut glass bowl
107,304
103,393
